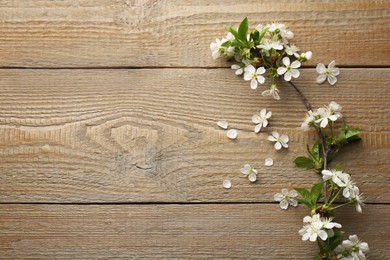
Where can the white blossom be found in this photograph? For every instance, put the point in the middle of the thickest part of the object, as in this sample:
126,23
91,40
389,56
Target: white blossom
338,177
254,75
309,120
357,198
286,198
290,70
291,50
280,140
352,249
250,172
326,115
216,48
280,29
329,73
317,226
272,91
312,231
261,120
268,44
304,56
240,67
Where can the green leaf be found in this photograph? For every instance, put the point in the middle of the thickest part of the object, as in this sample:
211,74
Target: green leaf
255,36
262,33
305,202
243,30
353,134
304,162
315,151
315,193
304,192
234,32
338,168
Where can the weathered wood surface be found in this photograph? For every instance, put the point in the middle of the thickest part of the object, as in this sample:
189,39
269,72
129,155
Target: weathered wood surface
228,231
105,33
151,135
73,139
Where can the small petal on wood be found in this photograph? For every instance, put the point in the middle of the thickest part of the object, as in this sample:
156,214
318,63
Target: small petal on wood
232,134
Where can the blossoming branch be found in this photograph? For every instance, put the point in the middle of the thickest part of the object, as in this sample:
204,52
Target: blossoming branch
268,52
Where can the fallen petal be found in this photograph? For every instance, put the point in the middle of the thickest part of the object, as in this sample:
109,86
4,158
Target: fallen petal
268,162
223,124
227,184
232,134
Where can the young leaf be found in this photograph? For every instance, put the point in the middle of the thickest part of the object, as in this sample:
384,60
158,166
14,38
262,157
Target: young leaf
304,192
243,30
234,32
315,151
305,202
304,162
352,134
315,193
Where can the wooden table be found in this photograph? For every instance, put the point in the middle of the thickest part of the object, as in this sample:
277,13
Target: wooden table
108,138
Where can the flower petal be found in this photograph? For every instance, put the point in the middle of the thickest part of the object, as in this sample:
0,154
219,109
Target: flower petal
232,133
252,177
227,184
278,197
260,70
287,76
331,64
281,70
268,115
283,204
275,134
258,128
256,119
263,111
260,79
320,68
293,202
295,64
285,192
250,69
321,78
247,76
277,146
271,138
235,67
332,79
253,84
223,124
286,61
284,138
268,162
295,73
266,93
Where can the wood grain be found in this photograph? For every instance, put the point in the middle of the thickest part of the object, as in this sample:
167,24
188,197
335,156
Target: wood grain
150,135
106,33
228,231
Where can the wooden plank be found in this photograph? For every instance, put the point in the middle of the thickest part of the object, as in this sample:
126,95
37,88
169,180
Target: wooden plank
226,231
109,33
151,135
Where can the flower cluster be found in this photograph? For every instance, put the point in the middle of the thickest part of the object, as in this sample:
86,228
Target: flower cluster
344,185
318,227
322,116
352,248
265,50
